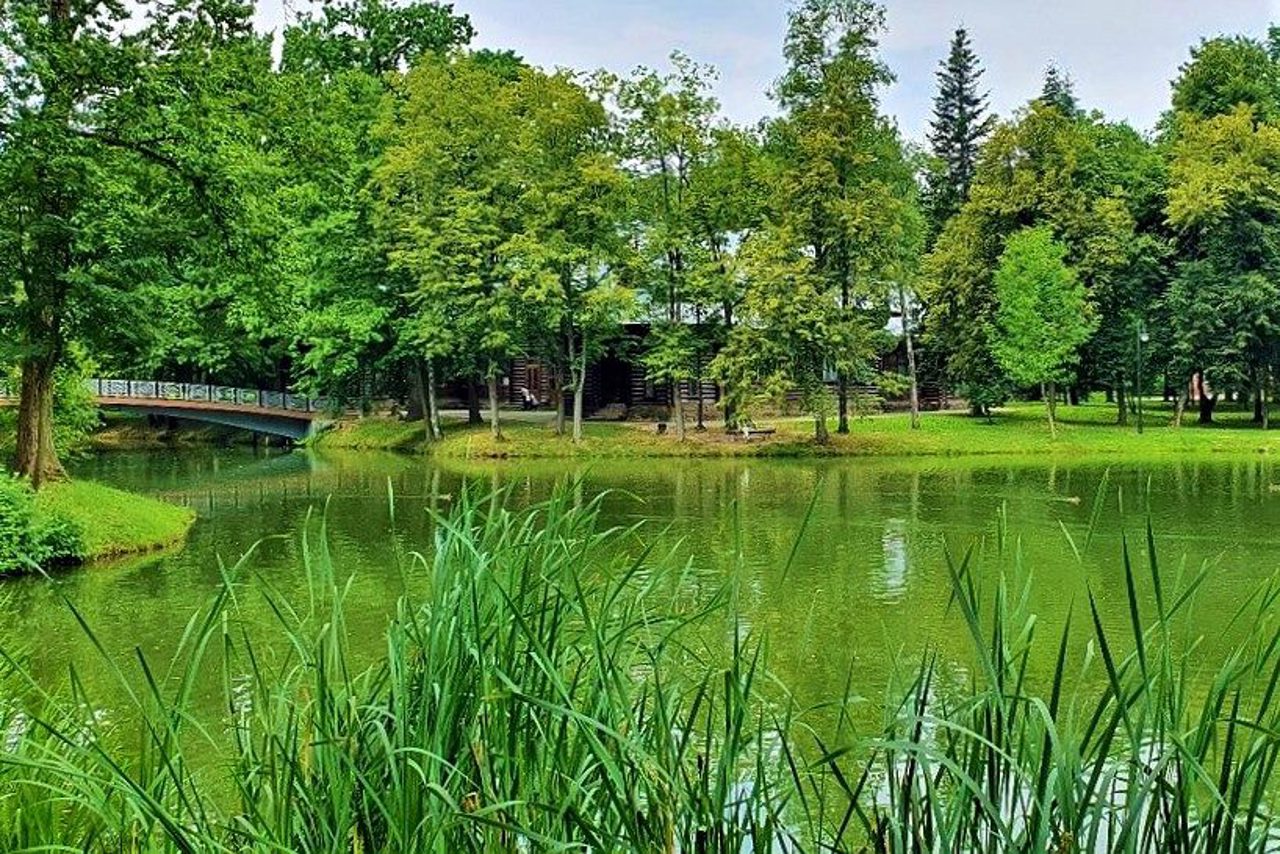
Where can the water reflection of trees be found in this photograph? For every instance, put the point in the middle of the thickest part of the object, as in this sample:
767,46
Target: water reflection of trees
868,581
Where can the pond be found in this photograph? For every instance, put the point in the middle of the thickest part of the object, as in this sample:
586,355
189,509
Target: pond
842,565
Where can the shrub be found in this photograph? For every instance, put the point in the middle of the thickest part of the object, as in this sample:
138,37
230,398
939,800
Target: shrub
28,538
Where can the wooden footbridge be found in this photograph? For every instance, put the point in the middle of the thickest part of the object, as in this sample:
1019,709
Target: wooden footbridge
271,412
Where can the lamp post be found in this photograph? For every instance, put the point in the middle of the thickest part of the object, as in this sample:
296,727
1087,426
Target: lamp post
1143,338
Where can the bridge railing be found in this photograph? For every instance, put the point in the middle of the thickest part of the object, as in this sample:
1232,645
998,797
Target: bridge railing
194,393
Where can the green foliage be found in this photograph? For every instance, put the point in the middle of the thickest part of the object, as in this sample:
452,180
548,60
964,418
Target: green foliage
30,539
446,201
843,186
129,169
383,210
1059,92
961,122
1224,197
789,331
372,36
569,245
667,139
338,65
1044,315
1226,72
1099,188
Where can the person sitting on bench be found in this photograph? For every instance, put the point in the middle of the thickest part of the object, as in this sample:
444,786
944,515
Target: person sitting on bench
529,400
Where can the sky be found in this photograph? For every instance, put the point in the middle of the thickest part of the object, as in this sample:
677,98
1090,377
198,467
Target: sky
1121,53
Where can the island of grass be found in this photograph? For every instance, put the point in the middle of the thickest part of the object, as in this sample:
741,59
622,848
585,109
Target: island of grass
112,522
73,522
1085,431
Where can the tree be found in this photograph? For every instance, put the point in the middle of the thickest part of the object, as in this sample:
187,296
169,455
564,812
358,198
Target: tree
126,165
1059,91
729,191
1097,186
372,36
447,202
1224,73
960,124
1044,314
1221,306
667,125
843,182
1224,201
788,330
566,257
347,304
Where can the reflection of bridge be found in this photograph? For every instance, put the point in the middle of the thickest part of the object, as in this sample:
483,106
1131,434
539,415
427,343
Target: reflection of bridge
273,412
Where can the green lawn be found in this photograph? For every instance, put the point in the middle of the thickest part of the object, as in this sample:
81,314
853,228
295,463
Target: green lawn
113,522
1018,430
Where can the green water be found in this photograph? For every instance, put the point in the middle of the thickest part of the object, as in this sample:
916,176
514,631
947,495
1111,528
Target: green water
867,584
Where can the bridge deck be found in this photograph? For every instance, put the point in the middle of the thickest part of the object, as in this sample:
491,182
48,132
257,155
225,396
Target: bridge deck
272,412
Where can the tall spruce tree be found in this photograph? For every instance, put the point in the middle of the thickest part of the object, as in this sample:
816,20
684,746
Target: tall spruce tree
1060,91
960,123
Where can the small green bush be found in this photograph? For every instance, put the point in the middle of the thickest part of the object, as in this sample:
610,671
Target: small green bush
29,538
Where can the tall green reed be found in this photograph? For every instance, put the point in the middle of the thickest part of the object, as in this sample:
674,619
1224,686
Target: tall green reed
1148,762
544,696
554,691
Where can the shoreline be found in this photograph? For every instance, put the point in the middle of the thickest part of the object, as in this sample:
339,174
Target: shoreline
1085,431
112,522
1018,431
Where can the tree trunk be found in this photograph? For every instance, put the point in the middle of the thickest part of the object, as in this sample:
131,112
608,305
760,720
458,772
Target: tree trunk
578,395
842,398
820,433
495,421
557,397
1122,404
842,391
677,396
911,359
1051,399
1073,396
1181,407
1259,404
1207,403
1263,402
474,418
36,458
579,375
420,391
730,414
702,416
433,404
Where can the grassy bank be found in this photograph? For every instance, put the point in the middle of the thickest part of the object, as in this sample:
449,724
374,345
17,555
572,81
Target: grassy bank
549,694
111,522
1021,430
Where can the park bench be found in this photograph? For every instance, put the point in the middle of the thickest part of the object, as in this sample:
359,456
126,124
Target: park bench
748,432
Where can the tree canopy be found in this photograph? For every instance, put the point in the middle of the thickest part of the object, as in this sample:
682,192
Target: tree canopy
375,210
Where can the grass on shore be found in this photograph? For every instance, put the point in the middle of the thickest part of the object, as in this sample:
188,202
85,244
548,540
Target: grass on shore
112,522
1019,430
